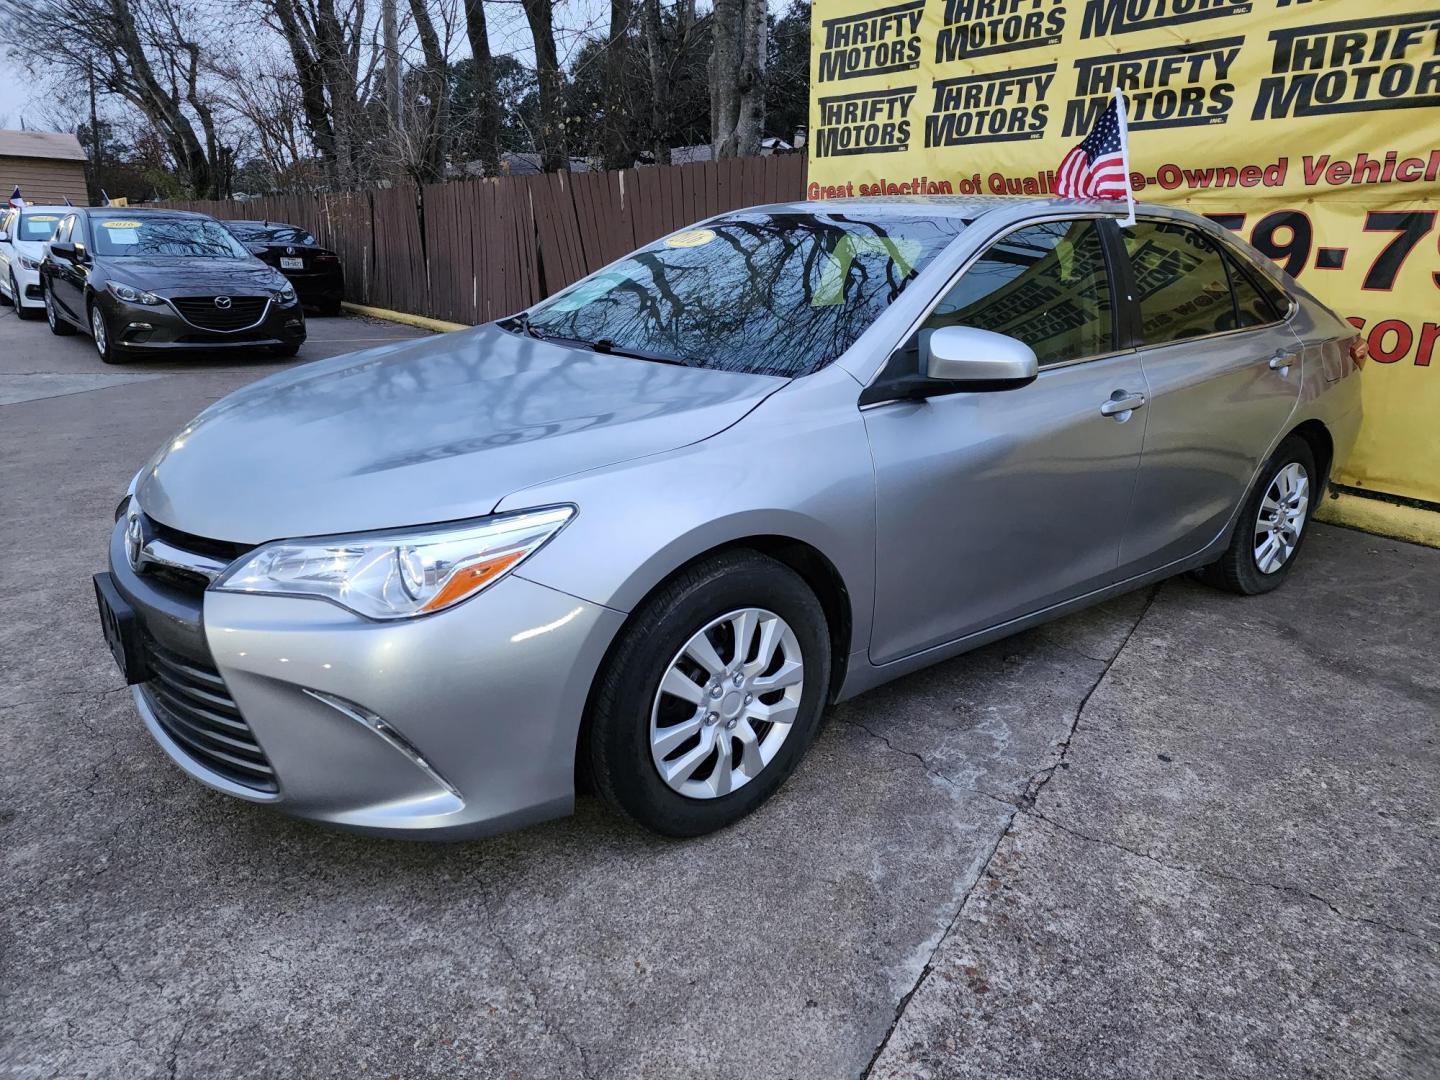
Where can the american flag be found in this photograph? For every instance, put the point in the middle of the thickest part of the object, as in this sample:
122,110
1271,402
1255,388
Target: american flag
1097,168
16,202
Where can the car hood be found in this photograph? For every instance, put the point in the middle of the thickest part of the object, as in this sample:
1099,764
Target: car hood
425,431
182,276
31,249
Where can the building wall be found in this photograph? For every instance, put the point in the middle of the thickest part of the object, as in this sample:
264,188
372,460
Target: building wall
43,180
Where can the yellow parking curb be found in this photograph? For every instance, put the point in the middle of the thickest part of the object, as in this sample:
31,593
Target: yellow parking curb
403,317
1385,518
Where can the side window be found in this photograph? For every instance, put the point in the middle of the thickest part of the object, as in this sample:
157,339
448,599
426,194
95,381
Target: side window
1252,308
62,234
1181,282
1045,285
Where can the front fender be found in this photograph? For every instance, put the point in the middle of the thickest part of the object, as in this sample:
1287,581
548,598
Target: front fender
798,467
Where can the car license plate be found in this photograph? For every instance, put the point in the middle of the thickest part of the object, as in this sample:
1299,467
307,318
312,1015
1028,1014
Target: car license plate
122,630
287,263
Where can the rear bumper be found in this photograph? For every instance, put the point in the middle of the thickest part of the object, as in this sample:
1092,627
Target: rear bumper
458,724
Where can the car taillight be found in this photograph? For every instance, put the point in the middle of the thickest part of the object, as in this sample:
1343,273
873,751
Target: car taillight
1359,351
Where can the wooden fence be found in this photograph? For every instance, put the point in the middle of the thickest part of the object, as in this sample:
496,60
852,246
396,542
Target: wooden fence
474,250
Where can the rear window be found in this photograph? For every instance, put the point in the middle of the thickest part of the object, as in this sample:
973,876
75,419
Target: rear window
271,233
774,294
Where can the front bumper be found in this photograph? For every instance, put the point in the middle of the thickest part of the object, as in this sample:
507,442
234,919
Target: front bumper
161,326
456,724
28,283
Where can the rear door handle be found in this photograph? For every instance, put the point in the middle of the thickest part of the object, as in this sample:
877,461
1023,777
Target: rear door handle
1122,404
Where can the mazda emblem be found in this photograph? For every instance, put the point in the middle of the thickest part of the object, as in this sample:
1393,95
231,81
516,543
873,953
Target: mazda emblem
289,251
222,302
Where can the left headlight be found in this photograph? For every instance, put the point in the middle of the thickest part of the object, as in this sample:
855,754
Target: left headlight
27,263
285,295
132,295
401,573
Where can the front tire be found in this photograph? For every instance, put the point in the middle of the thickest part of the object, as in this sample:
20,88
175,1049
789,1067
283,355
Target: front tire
18,300
711,695
110,353
58,326
1272,525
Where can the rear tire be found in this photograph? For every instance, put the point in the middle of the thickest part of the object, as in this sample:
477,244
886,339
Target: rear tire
58,326
635,727
1273,524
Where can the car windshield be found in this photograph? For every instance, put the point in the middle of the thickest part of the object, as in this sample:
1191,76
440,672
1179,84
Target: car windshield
270,233
37,227
152,236
769,293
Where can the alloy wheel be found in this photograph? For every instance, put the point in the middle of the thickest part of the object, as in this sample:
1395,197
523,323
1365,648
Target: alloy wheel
50,310
726,703
97,329
1281,518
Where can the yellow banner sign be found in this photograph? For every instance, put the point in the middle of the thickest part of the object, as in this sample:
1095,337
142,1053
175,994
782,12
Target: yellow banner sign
1310,127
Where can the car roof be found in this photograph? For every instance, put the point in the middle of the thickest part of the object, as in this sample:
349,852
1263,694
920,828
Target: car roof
29,208
144,211
952,206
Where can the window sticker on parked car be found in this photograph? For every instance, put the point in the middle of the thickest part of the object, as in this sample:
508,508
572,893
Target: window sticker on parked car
120,224
594,289
123,236
690,238
42,217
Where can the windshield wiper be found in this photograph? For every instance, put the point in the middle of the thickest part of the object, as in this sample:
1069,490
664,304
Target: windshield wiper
609,348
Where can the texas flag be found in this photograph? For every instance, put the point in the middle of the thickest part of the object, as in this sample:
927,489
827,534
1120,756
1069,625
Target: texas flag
1099,168
16,202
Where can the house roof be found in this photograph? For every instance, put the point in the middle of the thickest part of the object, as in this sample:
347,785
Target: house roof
56,145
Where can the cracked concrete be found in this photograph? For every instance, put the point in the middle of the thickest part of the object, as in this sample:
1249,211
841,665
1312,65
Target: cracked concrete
1180,834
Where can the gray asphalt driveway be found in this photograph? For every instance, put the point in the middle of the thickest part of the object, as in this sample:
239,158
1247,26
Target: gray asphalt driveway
1183,834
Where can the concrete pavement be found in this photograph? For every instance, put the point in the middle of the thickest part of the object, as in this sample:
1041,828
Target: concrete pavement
1183,834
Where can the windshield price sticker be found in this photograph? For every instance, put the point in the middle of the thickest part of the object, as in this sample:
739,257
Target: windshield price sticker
120,224
690,238
42,217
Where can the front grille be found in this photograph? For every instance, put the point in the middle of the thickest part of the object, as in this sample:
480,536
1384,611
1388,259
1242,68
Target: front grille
201,545
193,705
201,311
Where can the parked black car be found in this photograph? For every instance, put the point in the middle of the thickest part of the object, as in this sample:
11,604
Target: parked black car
313,270
143,281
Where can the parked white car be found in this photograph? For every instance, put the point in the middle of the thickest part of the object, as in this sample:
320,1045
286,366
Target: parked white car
23,235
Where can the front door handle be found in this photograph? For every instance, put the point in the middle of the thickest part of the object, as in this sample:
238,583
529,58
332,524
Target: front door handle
1281,361
1122,404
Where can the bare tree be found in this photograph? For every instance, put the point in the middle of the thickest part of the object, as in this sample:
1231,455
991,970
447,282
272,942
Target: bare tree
487,107
737,77
618,152
149,53
540,14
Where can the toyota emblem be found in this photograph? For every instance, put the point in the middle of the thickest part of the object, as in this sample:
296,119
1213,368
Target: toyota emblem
222,302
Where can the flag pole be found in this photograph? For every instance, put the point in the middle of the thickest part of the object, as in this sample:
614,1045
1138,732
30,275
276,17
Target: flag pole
1125,158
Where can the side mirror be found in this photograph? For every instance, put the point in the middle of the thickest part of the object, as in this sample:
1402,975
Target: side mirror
965,354
64,251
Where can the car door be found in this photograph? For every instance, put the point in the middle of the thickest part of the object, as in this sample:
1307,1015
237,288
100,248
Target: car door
1223,369
67,280
995,504
9,220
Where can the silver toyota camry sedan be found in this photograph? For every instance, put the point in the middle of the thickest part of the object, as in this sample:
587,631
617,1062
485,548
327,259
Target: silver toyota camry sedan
639,536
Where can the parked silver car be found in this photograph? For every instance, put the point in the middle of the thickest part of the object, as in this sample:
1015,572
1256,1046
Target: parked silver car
643,533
